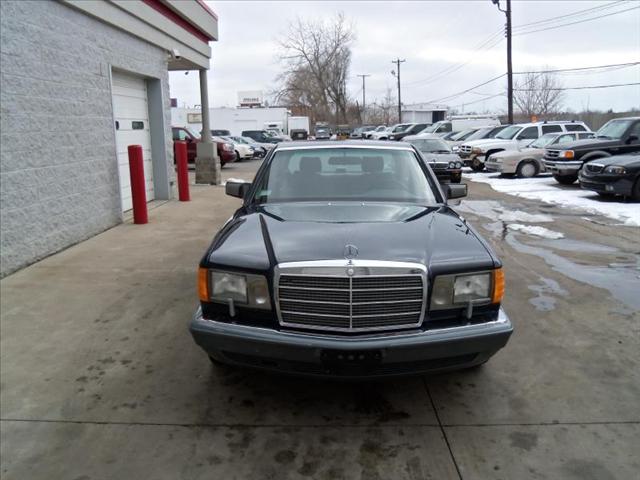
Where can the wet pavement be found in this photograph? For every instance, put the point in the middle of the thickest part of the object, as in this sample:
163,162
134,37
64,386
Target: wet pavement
100,378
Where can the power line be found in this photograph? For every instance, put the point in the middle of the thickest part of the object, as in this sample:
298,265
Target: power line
574,14
629,64
490,42
502,94
576,22
454,95
579,88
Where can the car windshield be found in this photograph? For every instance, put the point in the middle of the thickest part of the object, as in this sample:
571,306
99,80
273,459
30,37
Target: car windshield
430,145
509,132
544,140
345,174
239,140
480,133
192,132
248,139
613,129
463,135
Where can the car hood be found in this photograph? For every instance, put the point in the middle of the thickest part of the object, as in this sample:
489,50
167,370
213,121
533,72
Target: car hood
521,153
632,160
487,141
441,157
260,238
586,143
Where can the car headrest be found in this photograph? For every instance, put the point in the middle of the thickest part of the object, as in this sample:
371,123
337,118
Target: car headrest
310,164
372,164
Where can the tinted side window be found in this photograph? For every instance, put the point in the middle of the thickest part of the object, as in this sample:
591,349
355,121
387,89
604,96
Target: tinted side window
529,133
179,134
635,130
551,128
572,127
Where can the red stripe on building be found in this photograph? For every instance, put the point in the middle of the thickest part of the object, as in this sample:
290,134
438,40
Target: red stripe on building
160,7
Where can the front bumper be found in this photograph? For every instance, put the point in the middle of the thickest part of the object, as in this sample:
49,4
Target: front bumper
563,167
606,183
376,355
493,166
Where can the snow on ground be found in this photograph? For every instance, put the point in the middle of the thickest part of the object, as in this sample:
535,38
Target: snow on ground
535,231
546,189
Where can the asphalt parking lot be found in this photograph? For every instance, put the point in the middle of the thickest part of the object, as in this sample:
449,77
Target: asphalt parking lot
100,378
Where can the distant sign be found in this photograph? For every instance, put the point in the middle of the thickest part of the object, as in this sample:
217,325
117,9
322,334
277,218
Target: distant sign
250,98
194,118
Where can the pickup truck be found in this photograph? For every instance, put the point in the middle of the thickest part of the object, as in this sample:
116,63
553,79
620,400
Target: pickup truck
617,136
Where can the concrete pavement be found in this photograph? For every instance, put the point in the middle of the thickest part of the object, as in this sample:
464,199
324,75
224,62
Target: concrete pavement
101,379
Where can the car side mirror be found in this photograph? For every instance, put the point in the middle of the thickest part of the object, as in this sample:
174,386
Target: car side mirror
631,139
456,191
237,188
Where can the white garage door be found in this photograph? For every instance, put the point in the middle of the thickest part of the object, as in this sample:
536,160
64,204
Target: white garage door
131,115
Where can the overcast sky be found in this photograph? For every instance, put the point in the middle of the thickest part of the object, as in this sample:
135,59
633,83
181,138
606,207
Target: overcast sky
432,36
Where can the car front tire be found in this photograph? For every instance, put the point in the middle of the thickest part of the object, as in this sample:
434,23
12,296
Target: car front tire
566,179
477,165
527,169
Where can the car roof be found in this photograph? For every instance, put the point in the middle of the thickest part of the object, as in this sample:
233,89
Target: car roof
370,144
552,122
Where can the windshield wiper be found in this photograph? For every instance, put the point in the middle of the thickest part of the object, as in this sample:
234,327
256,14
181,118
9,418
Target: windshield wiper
605,136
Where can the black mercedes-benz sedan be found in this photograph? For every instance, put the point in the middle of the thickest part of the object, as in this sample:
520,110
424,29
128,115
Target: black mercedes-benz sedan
617,175
345,260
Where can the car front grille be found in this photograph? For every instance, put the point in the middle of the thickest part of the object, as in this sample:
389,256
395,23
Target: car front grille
465,148
552,153
353,297
439,165
593,167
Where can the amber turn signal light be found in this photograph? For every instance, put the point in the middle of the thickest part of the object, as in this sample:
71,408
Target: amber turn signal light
498,285
203,284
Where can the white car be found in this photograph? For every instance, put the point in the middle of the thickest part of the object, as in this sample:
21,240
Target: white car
243,150
514,137
384,135
381,128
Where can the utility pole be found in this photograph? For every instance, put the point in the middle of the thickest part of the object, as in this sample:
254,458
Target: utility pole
507,13
363,96
398,62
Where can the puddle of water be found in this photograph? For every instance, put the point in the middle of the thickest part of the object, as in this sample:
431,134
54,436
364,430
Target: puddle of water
544,301
622,283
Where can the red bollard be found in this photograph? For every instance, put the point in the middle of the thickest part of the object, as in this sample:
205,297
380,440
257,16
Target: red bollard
183,170
138,187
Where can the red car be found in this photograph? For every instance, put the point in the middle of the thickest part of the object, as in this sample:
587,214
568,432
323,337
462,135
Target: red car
225,150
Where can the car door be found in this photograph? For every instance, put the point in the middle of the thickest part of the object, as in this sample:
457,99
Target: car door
630,144
527,135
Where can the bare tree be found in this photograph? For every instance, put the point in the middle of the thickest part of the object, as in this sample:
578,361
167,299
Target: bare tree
316,55
383,111
538,94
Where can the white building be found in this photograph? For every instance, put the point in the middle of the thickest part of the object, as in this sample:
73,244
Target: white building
233,119
82,80
423,113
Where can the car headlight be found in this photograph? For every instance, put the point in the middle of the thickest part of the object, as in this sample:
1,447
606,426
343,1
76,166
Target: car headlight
455,148
457,291
567,154
392,137
243,289
615,170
